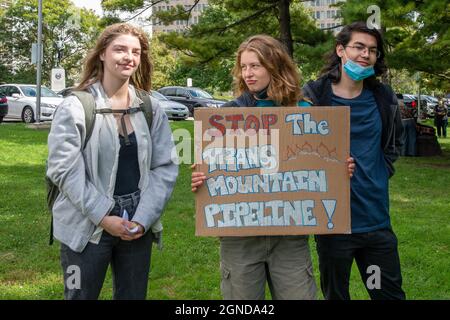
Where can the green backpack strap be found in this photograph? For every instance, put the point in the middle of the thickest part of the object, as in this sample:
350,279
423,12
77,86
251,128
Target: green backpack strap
88,102
146,107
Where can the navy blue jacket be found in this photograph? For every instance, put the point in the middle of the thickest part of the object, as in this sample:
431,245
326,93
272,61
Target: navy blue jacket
320,92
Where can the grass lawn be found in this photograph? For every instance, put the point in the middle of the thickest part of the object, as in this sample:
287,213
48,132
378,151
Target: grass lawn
188,267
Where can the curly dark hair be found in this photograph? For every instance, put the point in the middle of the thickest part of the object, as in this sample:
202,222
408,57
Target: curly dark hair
333,61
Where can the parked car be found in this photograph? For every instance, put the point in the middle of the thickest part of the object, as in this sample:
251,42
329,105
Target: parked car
22,102
173,110
431,103
191,97
3,107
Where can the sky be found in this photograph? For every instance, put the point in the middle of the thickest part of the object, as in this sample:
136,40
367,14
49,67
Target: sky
89,4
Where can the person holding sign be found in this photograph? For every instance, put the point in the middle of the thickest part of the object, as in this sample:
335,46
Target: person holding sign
265,76
115,178
349,79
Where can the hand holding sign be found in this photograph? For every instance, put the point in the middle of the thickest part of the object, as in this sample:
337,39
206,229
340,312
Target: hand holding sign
289,175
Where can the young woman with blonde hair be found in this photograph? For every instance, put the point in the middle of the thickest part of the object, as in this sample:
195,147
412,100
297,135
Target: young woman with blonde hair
113,188
265,76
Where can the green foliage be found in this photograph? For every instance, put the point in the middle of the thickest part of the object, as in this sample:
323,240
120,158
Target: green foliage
128,5
207,50
225,24
75,29
403,81
164,64
214,77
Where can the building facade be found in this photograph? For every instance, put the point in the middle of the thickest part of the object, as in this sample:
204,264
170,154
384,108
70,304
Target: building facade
178,25
326,16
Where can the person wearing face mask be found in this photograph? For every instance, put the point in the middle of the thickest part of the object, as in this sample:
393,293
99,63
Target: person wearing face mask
265,76
376,132
113,186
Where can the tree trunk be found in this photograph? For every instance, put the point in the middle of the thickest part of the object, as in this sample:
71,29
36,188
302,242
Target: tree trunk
285,25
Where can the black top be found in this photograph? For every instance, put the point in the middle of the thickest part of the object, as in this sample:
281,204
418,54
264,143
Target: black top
128,173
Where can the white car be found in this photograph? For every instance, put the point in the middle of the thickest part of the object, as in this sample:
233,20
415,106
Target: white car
432,102
173,110
22,102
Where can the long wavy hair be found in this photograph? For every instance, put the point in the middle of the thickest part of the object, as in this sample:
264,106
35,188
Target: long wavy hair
93,67
332,67
284,87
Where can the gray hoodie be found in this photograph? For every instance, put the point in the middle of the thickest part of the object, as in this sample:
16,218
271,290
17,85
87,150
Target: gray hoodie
86,178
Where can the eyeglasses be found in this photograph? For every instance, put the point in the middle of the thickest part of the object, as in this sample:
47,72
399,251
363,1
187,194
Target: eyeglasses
361,49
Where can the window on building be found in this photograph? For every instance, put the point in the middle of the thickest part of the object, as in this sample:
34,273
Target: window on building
317,14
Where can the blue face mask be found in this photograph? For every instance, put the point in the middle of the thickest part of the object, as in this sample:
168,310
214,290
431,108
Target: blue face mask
358,72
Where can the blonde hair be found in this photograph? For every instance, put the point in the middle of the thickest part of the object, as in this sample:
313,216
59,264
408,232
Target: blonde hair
93,66
284,87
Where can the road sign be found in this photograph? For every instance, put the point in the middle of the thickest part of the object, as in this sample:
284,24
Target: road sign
58,79
34,53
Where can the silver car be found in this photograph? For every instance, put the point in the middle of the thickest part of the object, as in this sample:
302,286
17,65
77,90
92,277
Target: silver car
173,110
432,102
22,102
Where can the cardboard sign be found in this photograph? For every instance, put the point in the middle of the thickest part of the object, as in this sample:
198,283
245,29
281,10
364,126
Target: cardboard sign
273,171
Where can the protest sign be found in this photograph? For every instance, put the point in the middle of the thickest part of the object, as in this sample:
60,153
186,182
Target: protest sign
273,171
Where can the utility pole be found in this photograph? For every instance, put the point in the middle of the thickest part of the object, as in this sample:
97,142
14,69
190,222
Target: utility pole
419,105
39,64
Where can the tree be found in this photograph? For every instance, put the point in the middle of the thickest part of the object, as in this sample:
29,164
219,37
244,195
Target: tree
416,33
226,23
67,34
208,47
164,64
214,77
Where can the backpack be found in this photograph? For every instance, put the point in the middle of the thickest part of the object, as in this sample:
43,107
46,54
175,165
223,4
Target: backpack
88,102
